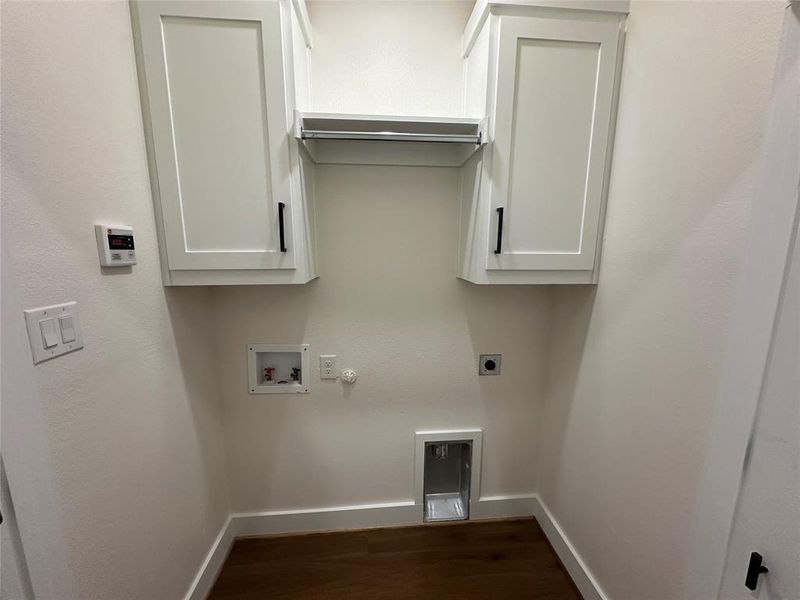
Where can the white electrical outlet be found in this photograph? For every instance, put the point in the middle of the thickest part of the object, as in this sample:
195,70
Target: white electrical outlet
327,366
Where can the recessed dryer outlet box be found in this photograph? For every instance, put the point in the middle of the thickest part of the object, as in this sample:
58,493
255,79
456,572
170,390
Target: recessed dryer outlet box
278,369
489,364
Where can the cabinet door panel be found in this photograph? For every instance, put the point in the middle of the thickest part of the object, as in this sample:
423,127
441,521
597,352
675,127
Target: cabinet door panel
218,117
553,111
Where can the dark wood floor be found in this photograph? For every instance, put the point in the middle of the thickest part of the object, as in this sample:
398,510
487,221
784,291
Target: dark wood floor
500,559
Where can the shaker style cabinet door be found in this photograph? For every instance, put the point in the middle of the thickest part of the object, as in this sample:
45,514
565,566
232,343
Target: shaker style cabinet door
216,104
555,88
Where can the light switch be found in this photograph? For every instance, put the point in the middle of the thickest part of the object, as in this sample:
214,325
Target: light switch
53,330
67,324
49,337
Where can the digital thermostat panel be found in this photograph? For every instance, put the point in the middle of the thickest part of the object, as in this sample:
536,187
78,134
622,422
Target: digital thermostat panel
115,245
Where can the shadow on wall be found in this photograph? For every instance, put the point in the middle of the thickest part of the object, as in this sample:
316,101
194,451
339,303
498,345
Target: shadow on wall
510,320
570,318
190,318
274,314
16,582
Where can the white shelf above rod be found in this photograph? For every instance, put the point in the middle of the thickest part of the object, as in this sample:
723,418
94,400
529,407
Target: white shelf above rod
335,138
392,136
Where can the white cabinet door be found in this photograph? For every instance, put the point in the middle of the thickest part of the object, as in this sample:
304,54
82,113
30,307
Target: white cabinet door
555,88
217,107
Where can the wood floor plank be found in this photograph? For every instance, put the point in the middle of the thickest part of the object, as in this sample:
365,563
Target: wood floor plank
499,559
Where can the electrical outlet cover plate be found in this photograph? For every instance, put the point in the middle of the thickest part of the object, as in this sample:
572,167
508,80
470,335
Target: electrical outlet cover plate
327,366
489,364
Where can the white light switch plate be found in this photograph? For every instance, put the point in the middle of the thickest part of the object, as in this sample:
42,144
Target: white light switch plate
55,324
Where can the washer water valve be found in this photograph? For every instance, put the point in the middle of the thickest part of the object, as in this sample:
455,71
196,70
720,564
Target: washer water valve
349,376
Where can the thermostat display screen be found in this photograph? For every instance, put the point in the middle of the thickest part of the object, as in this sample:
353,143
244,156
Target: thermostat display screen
115,245
120,242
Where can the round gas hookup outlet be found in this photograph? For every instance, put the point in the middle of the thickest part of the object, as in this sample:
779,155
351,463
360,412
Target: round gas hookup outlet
349,376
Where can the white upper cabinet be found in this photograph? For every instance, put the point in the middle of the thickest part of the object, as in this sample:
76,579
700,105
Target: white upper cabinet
554,91
533,204
231,188
234,127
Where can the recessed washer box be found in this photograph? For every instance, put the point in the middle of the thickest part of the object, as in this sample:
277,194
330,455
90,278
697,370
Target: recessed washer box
278,369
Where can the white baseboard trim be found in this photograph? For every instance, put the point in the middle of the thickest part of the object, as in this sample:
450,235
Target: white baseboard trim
204,580
503,507
390,514
365,516
584,579
361,516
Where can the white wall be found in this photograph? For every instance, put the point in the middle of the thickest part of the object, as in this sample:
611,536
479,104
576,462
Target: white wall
389,305
387,301
634,365
388,57
15,581
758,365
132,423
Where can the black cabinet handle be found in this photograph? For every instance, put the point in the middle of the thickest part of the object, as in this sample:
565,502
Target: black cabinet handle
281,206
499,248
754,570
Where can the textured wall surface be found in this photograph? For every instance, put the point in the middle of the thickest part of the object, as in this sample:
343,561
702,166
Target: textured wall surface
768,501
15,581
633,366
388,58
389,305
132,420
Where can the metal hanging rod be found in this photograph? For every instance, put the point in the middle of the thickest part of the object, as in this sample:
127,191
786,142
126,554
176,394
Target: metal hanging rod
391,136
